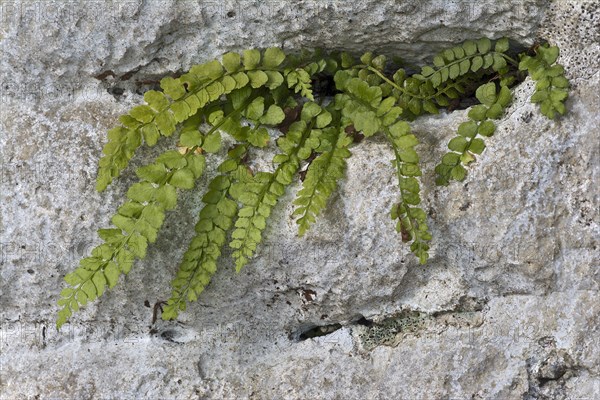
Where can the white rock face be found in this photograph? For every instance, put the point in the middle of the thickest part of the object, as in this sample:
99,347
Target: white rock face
508,306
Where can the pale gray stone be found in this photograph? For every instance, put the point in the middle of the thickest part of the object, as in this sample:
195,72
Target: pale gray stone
508,306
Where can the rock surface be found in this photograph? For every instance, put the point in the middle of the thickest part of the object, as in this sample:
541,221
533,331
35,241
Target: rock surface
508,306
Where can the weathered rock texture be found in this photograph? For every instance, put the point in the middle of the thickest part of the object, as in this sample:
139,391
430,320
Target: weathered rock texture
508,307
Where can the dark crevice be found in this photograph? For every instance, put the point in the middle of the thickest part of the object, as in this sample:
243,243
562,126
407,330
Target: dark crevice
315,331
466,304
170,336
365,322
465,314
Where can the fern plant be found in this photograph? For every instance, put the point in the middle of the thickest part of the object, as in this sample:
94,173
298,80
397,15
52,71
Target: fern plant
323,104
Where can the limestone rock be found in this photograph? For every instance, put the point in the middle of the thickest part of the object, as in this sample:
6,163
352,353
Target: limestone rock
507,307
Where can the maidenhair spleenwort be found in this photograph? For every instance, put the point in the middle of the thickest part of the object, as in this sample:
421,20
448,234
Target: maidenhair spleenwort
243,96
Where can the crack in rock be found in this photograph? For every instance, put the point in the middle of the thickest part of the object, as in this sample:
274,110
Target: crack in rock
548,369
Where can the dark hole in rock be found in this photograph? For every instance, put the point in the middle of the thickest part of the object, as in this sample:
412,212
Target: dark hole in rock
315,331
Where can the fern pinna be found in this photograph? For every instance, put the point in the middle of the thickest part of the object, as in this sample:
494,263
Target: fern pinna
243,96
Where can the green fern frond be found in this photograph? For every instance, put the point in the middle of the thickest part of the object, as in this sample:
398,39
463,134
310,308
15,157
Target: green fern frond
216,218
363,106
137,223
182,98
241,97
256,107
322,177
300,79
414,96
412,220
470,56
436,86
551,89
469,141
260,195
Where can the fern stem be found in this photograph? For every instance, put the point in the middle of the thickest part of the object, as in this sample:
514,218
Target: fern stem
403,90
509,59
